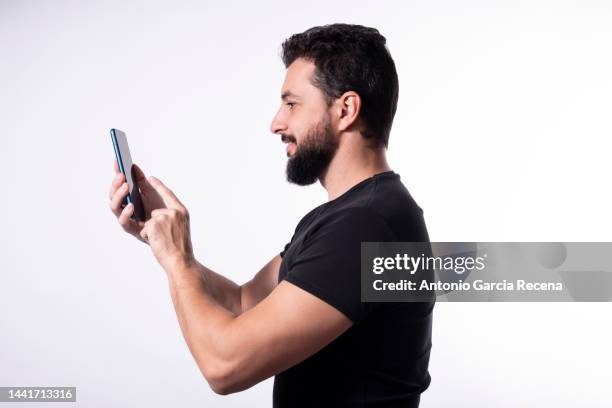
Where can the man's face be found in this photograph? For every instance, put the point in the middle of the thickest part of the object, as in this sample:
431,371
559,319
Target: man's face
304,123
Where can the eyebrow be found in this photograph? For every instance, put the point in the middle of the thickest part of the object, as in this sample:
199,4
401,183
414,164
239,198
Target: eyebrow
288,94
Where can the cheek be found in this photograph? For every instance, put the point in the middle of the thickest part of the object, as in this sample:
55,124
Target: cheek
301,128
297,131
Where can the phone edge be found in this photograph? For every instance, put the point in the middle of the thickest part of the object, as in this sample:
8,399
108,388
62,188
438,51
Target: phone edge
119,160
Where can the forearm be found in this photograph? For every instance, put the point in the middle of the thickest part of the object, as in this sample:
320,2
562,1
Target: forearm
207,323
226,292
204,322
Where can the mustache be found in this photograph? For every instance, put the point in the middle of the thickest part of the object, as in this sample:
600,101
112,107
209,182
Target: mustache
288,139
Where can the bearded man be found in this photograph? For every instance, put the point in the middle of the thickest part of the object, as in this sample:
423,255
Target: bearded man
300,318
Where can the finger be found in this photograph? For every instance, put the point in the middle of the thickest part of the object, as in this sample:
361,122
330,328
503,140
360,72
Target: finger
116,183
124,217
143,235
166,194
117,199
116,166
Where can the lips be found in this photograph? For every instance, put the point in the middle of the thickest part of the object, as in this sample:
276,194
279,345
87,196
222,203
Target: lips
291,144
290,149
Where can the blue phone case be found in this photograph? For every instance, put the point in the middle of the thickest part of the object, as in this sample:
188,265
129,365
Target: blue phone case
124,160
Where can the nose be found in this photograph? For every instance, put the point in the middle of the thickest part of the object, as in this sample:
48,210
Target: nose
279,124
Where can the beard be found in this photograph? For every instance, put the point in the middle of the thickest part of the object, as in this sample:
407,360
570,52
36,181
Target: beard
313,155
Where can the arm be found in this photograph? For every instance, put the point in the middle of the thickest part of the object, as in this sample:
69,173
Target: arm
236,298
236,352
233,297
262,284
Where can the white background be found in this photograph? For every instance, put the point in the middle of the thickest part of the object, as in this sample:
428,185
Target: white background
500,135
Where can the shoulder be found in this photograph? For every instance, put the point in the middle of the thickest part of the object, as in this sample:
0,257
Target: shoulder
356,222
306,219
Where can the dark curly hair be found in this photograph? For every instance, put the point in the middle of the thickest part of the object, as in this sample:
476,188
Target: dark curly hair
351,58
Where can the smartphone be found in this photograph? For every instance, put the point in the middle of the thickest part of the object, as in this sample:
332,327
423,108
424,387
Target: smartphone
124,159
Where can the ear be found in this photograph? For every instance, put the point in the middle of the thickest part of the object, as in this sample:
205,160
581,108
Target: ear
349,107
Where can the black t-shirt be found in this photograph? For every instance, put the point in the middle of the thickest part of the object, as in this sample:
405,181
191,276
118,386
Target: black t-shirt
380,361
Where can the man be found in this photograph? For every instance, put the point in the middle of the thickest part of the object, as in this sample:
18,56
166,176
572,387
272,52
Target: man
300,318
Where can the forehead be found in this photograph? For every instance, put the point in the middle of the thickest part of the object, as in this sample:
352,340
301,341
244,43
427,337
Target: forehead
298,79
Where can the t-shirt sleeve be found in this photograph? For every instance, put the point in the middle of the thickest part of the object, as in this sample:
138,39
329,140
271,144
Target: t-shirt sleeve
328,264
297,228
282,253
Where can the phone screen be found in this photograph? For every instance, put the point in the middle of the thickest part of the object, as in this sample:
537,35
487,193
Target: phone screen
124,159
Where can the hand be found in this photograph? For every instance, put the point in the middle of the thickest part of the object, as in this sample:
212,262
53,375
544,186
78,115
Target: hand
118,191
167,231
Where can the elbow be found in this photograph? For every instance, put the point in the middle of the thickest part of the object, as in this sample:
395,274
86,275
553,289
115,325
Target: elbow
220,383
227,366
223,379
219,388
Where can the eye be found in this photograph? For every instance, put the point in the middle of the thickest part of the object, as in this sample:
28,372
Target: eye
290,105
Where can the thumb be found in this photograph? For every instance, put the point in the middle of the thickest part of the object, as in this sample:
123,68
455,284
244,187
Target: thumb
141,180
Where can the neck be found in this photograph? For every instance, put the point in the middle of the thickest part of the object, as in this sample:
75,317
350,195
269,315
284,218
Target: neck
351,165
